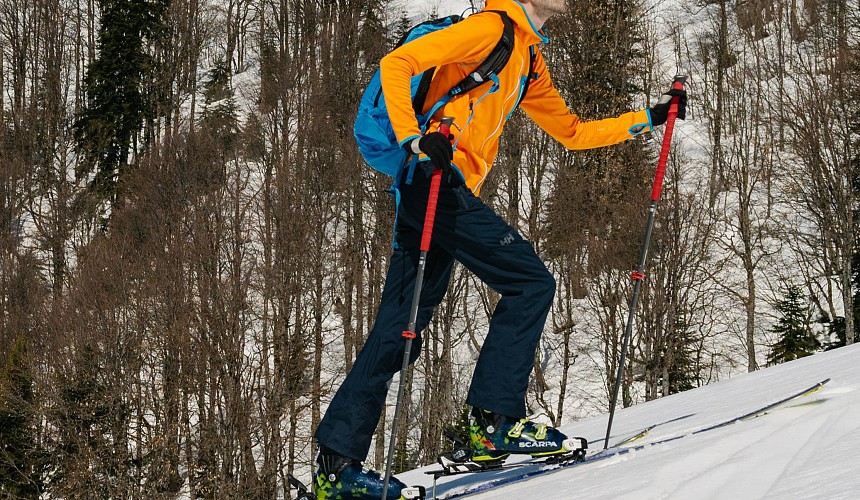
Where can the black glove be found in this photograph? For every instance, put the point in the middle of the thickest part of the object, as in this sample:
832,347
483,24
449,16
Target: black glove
436,146
660,111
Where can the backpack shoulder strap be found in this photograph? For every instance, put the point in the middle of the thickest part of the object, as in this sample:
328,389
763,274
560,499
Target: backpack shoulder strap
424,84
494,63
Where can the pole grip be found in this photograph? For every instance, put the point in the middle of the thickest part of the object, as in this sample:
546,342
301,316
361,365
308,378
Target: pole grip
432,200
430,215
445,125
657,189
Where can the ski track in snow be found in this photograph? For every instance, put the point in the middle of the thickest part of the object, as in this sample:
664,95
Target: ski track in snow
727,465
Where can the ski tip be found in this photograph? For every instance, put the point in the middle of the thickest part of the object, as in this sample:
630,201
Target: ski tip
817,386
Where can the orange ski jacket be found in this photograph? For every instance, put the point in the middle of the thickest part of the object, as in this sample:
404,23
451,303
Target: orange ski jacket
479,116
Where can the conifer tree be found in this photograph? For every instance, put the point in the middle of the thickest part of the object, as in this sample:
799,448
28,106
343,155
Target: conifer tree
82,457
796,339
220,114
460,427
680,358
116,103
590,209
20,460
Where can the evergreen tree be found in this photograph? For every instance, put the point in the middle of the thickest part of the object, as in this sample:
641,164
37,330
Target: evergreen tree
682,368
590,210
83,458
794,328
116,104
597,83
20,460
220,115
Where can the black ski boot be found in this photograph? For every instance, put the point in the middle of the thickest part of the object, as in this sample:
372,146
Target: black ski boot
343,478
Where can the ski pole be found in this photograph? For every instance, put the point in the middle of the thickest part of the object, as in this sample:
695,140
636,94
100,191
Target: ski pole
639,275
409,333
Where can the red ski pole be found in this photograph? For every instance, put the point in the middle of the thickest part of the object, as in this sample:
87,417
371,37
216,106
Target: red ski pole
639,275
409,333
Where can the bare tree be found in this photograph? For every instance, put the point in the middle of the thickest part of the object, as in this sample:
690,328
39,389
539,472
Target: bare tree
824,181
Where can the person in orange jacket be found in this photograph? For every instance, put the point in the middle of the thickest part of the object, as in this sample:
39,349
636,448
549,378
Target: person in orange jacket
468,231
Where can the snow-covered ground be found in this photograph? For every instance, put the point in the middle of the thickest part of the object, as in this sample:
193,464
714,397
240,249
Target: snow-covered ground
805,449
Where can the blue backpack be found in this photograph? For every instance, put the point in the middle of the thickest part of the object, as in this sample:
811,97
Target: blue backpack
373,132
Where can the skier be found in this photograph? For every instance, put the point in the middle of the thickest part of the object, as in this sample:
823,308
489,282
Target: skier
470,232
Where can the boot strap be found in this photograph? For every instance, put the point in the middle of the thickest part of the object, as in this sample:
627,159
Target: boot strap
517,430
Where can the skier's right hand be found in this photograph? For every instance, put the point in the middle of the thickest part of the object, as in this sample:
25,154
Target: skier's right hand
660,111
437,147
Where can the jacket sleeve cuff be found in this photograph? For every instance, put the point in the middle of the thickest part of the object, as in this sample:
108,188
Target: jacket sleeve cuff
406,141
644,126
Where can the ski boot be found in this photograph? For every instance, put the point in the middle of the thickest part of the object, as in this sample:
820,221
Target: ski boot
343,478
495,437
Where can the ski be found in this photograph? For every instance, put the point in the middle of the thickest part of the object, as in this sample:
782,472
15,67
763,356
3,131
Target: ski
619,448
765,409
635,437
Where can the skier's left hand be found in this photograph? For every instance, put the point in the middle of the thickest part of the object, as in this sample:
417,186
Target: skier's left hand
437,147
660,111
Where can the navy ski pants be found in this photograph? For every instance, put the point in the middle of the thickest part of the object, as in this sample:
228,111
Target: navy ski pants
470,232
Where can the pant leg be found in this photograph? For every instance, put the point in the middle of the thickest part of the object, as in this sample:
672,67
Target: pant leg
496,253
351,419
471,232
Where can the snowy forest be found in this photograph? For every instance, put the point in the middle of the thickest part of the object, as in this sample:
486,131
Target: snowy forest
192,249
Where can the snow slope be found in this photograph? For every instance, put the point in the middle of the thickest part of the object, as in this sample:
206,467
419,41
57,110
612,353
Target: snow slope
806,449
